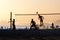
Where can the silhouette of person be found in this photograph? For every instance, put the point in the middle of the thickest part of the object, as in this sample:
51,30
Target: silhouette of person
14,24
33,24
52,25
41,19
1,27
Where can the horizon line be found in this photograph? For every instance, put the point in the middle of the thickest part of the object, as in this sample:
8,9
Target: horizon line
40,14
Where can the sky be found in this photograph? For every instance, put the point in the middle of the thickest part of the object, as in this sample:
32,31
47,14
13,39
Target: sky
27,7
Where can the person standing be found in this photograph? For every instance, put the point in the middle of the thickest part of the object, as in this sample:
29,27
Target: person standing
40,18
14,24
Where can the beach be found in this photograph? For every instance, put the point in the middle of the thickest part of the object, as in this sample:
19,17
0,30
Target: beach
31,38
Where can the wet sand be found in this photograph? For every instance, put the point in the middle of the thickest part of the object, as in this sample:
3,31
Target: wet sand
31,38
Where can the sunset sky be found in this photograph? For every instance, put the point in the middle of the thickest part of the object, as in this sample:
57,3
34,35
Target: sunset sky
27,7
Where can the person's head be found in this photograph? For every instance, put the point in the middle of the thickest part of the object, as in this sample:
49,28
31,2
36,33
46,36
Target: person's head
38,14
32,19
13,19
52,23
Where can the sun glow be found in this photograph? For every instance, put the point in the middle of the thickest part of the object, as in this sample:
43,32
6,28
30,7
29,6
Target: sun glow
27,7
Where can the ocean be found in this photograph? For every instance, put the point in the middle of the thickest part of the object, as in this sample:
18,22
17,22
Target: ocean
24,21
